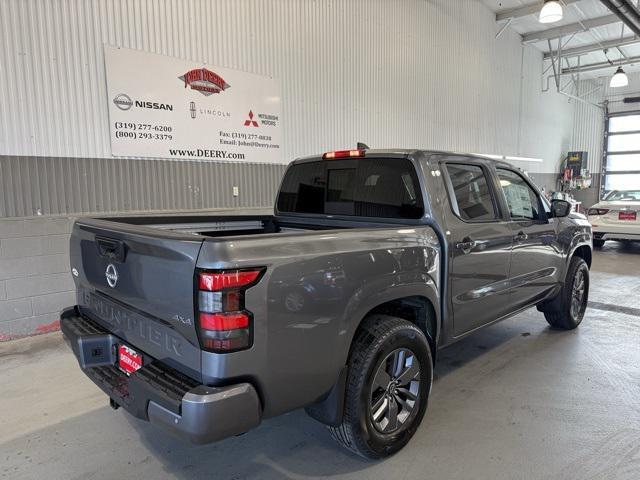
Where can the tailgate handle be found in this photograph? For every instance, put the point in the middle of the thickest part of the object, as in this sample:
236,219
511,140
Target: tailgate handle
110,248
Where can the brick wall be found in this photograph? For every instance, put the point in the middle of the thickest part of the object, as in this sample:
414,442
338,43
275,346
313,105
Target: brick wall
35,281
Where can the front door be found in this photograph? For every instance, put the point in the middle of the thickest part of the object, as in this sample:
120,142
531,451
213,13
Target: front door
479,246
536,259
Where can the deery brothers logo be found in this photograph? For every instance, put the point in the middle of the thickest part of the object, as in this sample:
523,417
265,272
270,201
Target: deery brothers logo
204,81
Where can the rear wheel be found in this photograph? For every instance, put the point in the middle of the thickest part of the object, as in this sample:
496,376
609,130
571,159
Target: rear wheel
389,378
598,243
567,310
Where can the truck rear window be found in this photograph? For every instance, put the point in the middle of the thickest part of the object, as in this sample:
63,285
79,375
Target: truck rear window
364,187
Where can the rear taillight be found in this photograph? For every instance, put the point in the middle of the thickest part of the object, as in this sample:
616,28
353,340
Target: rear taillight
597,211
224,322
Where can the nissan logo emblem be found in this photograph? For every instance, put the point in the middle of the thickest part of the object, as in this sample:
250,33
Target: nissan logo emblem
123,101
112,275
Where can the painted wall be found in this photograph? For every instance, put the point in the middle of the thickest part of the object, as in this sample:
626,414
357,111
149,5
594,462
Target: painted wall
415,74
392,74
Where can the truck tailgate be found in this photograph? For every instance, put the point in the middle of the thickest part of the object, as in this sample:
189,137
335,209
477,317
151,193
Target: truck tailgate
138,282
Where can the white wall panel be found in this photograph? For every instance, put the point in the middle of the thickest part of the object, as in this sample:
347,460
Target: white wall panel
410,73
546,118
588,124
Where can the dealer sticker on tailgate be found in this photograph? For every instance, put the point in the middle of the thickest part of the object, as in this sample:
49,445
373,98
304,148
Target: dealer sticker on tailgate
129,360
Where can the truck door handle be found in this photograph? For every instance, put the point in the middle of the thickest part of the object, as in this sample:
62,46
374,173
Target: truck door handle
521,237
466,245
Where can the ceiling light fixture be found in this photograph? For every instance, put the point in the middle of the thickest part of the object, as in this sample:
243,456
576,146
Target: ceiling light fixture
551,12
619,79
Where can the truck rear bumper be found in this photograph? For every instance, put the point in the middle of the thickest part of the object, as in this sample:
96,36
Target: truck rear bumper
198,413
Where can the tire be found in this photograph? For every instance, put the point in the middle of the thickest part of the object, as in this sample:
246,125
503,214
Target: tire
568,308
598,243
368,427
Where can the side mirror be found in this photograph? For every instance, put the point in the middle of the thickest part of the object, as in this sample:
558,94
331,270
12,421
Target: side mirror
560,208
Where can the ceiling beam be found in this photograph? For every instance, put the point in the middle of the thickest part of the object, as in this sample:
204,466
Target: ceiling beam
591,67
564,30
626,11
524,11
593,47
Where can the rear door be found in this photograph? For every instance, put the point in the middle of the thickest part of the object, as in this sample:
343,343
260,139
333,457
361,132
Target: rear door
479,245
537,259
138,282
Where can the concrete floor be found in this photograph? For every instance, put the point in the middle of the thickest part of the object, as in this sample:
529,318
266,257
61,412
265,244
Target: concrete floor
517,400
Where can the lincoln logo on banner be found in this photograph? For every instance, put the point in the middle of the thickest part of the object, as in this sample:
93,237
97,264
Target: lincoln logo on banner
204,81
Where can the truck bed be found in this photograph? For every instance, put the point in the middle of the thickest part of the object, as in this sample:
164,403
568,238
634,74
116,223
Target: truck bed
217,226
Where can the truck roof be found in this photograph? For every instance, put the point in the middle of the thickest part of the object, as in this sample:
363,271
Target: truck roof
404,153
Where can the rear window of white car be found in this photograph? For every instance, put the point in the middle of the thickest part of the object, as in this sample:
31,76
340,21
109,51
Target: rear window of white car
621,195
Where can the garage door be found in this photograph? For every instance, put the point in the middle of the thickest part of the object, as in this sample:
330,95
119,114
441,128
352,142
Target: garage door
621,168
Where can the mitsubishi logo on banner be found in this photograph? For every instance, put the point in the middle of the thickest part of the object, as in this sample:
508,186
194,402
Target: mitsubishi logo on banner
250,122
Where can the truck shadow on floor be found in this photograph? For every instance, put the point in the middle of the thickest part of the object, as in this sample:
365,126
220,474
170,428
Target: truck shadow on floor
103,444
294,445
464,351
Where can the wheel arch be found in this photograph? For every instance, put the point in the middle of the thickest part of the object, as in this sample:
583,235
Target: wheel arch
418,309
583,251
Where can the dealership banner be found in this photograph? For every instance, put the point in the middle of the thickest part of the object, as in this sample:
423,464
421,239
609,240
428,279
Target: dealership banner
165,107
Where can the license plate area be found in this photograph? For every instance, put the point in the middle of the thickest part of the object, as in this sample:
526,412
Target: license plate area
129,360
627,216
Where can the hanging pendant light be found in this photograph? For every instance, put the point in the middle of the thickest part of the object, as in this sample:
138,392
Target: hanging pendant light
619,79
551,12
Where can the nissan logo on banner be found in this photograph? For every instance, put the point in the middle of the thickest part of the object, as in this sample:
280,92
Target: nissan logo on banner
112,275
123,101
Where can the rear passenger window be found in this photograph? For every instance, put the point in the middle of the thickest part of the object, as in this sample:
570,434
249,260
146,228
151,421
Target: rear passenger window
387,188
471,191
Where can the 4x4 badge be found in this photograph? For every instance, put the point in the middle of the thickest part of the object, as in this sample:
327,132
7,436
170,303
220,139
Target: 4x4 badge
112,275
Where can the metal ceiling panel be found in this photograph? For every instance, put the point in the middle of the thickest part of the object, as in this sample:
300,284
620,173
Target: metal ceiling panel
588,12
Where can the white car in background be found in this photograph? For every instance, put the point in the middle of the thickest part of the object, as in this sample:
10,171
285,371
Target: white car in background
616,217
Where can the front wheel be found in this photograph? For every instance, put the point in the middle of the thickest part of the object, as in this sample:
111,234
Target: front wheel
568,308
598,243
389,378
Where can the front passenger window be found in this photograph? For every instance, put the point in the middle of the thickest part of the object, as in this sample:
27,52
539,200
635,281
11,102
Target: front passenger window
522,200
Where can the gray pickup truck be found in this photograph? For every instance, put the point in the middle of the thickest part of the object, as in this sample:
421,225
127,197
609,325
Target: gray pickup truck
339,302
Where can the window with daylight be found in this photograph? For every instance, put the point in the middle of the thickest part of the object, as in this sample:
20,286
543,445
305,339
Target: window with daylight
621,169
